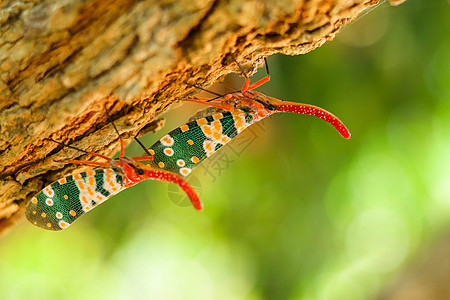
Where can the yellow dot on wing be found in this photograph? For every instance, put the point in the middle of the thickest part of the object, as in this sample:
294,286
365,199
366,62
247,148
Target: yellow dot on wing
66,197
161,164
73,213
49,225
34,212
194,159
43,215
151,151
34,200
190,142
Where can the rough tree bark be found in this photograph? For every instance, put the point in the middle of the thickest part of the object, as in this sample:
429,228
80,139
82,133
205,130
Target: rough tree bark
62,62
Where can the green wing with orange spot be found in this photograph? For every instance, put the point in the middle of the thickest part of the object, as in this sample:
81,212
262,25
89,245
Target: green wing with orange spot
185,147
59,204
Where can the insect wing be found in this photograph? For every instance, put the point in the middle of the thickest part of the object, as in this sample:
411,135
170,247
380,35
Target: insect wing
59,204
184,148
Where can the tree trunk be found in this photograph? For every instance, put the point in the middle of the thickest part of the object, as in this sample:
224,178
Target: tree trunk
63,62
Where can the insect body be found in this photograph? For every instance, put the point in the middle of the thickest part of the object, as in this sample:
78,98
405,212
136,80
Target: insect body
59,204
261,106
184,148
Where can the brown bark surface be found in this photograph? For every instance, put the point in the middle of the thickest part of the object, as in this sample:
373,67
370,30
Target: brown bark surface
62,62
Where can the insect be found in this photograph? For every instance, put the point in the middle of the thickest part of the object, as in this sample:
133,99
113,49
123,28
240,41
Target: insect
184,148
59,204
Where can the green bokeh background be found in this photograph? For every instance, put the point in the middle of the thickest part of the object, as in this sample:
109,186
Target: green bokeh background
292,210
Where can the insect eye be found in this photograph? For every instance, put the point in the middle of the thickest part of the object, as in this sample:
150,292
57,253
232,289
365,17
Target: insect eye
271,107
139,171
267,106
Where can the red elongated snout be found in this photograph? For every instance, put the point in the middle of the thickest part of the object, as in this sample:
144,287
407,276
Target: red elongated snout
306,109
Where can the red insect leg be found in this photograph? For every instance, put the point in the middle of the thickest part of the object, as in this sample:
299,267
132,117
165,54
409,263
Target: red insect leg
174,178
254,85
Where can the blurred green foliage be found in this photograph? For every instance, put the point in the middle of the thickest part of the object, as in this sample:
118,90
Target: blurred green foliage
293,211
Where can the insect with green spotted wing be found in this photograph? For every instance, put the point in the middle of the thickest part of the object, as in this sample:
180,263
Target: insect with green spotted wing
59,204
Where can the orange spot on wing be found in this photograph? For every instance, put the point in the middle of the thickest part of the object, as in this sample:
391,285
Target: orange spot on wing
168,151
49,191
90,173
62,181
73,213
151,151
167,139
190,142
49,225
217,126
225,139
185,171
217,136
195,159
207,130
91,181
217,116
183,128
43,215
66,197
80,185
201,121
34,200
89,190
161,164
